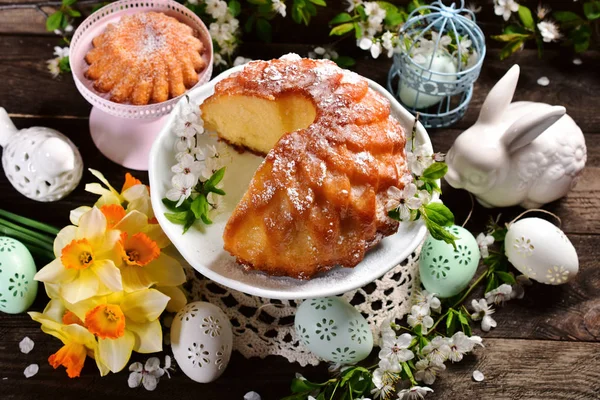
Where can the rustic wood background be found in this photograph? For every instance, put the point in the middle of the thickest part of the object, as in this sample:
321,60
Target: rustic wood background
546,346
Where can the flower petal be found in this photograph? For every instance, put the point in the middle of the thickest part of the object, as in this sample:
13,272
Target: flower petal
144,305
132,223
55,272
108,274
148,336
75,215
150,382
92,225
165,271
178,299
80,334
116,352
135,378
64,237
135,278
55,310
82,288
155,232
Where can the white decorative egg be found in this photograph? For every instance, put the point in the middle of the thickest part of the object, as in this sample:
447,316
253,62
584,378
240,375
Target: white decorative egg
541,251
201,339
17,268
334,330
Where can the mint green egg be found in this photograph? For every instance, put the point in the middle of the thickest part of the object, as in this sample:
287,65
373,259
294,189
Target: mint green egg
333,330
17,269
445,270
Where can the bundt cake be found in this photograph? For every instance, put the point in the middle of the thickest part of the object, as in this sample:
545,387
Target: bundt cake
145,58
332,151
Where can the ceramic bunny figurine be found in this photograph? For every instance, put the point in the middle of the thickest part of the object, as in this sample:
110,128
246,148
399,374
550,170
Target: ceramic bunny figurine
39,162
521,153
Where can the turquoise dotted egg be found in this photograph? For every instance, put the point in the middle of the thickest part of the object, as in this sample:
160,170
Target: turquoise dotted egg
333,330
446,270
17,269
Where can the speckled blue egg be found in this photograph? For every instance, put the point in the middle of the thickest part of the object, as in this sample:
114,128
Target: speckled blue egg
17,269
446,270
333,330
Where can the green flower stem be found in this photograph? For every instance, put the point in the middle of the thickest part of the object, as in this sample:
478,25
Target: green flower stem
334,390
34,235
470,289
440,319
26,239
29,222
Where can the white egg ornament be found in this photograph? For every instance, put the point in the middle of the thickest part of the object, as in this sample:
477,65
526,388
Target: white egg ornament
202,340
541,251
17,268
334,330
446,270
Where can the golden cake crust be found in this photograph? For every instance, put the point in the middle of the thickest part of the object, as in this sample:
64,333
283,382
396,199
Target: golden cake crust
318,199
145,58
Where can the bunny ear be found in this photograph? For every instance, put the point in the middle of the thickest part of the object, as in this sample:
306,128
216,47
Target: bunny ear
527,128
500,96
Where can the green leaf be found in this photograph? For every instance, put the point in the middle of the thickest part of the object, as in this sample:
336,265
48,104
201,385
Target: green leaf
511,48
200,206
319,3
189,221
249,24
388,7
342,29
220,192
215,179
450,320
361,11
235,7
357,31
581,38
436,170
506,277
63,64
492,283
303,386
566,16
512,28
394,18
439,233
264,30
526,17
178,217
591,9
345,61
54,21
439,214
341,18
257,2
68,2
499,234
462,318
507,37
71,12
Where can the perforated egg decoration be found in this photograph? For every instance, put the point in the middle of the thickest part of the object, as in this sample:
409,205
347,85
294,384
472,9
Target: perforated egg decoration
334,330
541,251
446,270
17,268
201,339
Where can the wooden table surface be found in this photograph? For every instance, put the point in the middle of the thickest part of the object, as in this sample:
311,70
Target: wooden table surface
546,346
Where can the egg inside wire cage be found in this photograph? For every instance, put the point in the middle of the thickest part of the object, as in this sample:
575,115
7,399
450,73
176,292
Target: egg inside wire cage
441,50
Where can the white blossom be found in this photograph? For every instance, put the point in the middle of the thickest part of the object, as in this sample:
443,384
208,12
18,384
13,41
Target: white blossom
252,396
543,81
483,241
437,350
549,31
147,375
324,53
427,370
188,165
352,4
375,15
461,344
518,289
505,8
403,200
478,376
31,370
26,345
419,160
61,52
182,188
53,67
239,60
216,8
220,33
395,349
279,7
420,316
542,11
373,45
387,42
428,300
483,312
414,393
499,295
444,41
218,59
69,28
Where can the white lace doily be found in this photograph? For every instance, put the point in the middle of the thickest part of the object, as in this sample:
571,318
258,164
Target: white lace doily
264,327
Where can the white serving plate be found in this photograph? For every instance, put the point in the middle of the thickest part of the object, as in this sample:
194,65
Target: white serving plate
202,245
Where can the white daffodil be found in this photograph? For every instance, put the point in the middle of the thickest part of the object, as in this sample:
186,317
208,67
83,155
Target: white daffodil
396,350
420,316
374,45
419,160
483,312
461,344
549,31
519,287
279,7
500,295
427,370
188,165
147,375
182,188
505,8
414,393
428,300
438,350
483,241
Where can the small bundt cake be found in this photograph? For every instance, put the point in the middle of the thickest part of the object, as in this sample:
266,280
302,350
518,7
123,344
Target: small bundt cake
145,58
332,151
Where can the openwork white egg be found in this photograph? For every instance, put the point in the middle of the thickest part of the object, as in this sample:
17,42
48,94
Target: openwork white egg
201,339
541,251
334,330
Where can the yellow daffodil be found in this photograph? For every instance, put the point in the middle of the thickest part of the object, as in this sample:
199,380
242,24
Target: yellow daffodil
178,298
143,262
85,259
123,322
78,342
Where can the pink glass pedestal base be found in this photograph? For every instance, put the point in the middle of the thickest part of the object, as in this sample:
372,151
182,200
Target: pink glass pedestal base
125,141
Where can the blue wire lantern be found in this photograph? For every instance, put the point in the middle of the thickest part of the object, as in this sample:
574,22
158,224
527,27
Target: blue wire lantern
441,53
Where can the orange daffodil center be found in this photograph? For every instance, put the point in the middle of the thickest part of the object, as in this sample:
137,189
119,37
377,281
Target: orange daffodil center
70,318
106,321
77,255
138,249
71,356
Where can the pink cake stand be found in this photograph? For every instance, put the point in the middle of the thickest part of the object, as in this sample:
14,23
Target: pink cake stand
124,133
